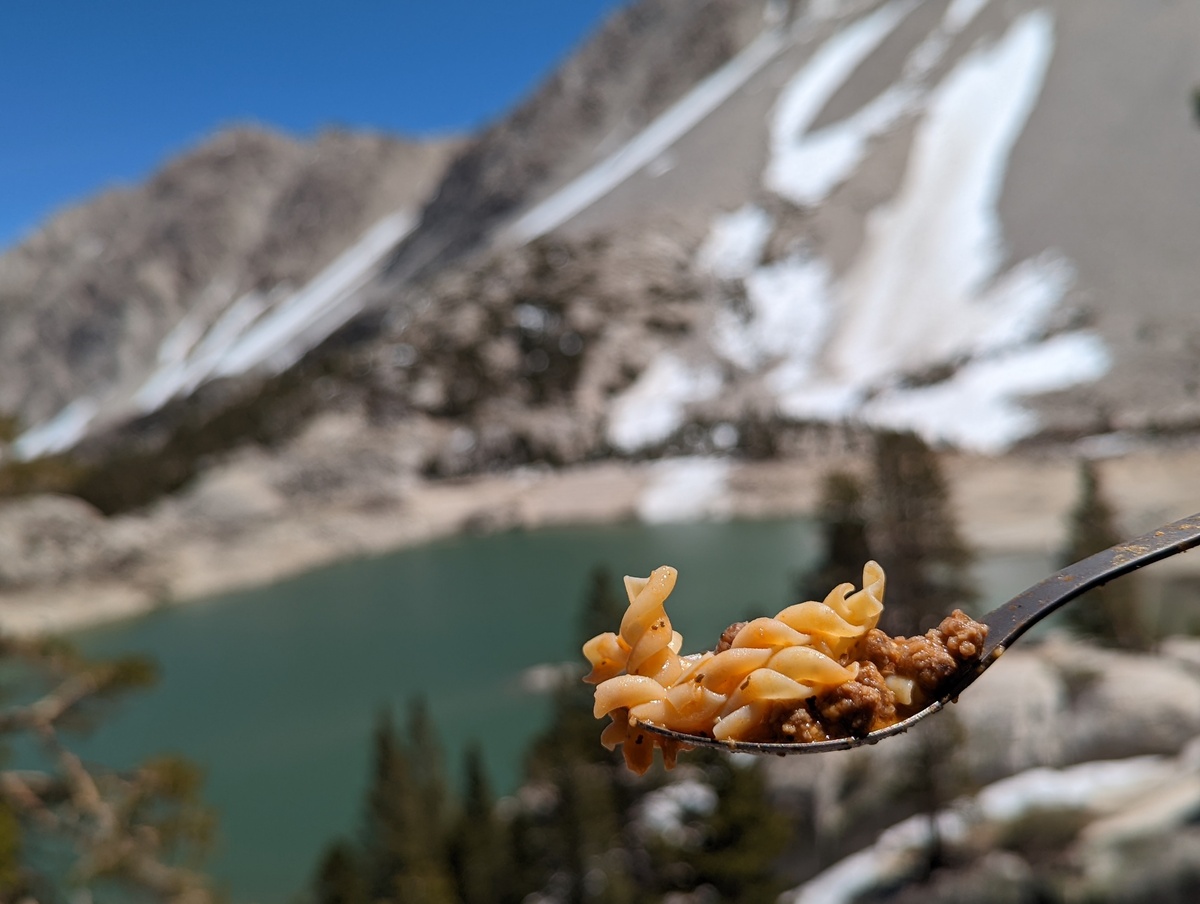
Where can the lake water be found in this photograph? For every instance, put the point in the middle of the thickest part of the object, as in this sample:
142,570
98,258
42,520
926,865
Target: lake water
274,691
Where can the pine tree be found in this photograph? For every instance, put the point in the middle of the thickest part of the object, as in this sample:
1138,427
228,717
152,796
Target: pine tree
574,848
479,846
339,877
403,843
427,763
14,884
915,536
843,525
135,831
1109,614
743,837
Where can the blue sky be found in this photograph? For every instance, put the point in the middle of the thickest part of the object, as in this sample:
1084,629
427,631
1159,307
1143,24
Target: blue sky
95,94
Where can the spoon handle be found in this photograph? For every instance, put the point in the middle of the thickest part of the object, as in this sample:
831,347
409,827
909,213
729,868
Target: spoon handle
1025,610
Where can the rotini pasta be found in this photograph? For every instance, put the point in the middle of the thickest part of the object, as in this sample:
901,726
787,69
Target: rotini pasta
816,670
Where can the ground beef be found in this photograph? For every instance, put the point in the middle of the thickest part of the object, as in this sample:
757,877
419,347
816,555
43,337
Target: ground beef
796,725
929,660
963,636
727,636
857,707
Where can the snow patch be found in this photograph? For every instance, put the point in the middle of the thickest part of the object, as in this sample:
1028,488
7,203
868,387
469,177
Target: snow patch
664,812
977,407
912,295
788,317
803,98
817,164
806,168
735,243
1088,785
686,489
59,433
653,408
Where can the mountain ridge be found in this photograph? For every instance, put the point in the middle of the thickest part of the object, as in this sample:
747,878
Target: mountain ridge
799,223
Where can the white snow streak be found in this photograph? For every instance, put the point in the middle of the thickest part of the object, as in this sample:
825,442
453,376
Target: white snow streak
652,141
686,489
806,167
61,432
324,304
817,164
803,98
960,13
912,295
182,369
252,333
653,408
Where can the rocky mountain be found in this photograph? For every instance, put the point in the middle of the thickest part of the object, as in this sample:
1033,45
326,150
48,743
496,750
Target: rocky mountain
102,308
912,215
915,215
718,224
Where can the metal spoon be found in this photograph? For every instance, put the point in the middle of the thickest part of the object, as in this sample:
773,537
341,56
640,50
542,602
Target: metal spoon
1005,625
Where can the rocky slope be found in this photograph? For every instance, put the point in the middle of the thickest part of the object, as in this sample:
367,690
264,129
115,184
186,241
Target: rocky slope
108,293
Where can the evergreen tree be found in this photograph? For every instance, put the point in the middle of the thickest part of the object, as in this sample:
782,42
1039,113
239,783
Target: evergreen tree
915,536
14,884
843,525
1109,614
574,848
404,844
743,837
339,877
137,829
427,762
479,847
604,605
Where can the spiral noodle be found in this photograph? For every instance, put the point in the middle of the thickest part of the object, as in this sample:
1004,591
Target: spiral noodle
641,678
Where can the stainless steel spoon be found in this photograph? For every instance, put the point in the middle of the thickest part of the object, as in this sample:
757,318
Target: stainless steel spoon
1005,625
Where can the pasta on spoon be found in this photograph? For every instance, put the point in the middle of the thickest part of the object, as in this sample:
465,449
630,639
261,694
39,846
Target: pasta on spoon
817,670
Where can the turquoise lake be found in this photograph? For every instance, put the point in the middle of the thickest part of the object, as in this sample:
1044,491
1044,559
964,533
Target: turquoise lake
274,691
